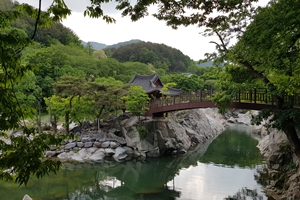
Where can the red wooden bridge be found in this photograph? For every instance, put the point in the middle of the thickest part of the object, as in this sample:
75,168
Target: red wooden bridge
251,100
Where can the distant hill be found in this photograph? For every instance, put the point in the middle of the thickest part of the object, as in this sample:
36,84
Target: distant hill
120,44
208,64
158,55
97,45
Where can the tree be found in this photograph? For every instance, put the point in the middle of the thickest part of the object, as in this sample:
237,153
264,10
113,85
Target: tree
184,82
89,48
106,95
99,54
272,55
71,87
136,101
21,157
266,55
56,107
82,109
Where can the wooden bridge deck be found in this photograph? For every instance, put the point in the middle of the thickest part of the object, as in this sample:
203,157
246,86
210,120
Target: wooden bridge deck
251,100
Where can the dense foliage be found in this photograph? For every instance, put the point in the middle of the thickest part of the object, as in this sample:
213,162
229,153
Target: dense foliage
266,56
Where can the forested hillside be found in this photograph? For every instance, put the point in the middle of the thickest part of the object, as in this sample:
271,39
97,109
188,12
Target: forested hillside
158,55
44,35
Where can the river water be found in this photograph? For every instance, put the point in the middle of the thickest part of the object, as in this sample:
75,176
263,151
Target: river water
225,168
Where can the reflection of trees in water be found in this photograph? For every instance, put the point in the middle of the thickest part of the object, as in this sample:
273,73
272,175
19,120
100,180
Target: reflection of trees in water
262,175
233,148
244,194
130,180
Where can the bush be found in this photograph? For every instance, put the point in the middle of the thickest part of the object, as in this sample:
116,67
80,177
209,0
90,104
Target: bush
142,131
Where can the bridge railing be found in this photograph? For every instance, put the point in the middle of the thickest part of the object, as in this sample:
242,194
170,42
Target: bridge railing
256,96
183,98
263,96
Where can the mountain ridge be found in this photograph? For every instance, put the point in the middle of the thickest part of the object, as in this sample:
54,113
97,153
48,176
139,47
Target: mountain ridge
98,45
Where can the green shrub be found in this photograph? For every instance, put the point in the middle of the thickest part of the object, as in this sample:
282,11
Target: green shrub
142,131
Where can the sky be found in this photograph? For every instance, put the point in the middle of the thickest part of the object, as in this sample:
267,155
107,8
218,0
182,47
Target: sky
187,39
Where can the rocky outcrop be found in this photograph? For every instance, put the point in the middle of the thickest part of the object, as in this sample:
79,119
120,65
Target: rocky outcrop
143,137
282,173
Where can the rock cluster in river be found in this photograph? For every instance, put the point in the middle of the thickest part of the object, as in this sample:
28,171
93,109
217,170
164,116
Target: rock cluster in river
173,135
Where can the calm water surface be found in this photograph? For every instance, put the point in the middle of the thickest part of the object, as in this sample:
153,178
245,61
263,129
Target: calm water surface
221,169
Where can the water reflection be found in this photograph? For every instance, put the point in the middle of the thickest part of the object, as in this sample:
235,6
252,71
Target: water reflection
192,176
233,148
244,193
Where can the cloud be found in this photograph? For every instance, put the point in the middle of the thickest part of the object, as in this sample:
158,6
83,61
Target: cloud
186,39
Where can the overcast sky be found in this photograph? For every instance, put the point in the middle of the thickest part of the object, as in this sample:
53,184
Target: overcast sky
186,39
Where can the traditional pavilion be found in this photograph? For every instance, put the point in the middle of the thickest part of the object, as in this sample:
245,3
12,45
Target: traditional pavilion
153,85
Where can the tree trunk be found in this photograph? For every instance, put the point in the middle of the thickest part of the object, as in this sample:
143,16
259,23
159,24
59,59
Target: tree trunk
54,124
294,141
67,122
289,130
38,118
98,117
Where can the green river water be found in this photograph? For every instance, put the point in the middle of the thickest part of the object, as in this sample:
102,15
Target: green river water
213,171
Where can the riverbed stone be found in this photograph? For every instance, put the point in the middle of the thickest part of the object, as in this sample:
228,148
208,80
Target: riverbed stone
116,138
97,144
105,144
50,153
88,144
52,148
64,156
153,153
244,118
80,144
113,145
109,151
98,156
85,139
119,152
128,150
70,145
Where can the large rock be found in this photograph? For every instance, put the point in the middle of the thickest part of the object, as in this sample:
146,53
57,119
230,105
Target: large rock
98,156
109,151
271,143
202,124
50,153
166,135
83,154
65,156
244,118
120,154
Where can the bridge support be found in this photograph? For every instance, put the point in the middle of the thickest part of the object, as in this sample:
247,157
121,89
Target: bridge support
160,114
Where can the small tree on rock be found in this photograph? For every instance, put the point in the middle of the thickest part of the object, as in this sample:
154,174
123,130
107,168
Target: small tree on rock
136,101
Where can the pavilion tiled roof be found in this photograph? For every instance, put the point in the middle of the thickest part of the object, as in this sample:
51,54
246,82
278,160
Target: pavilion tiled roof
147,82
